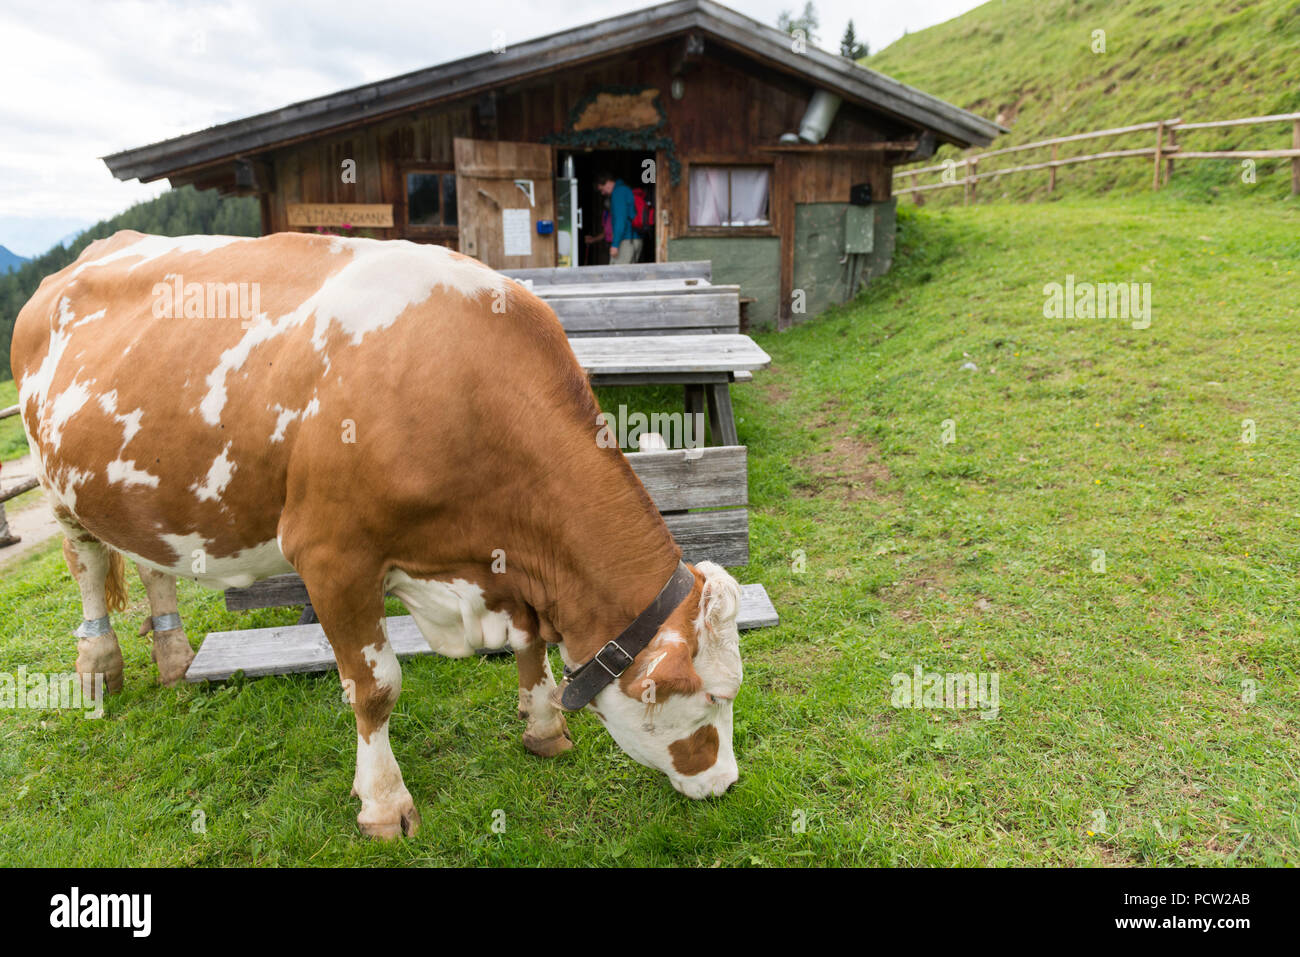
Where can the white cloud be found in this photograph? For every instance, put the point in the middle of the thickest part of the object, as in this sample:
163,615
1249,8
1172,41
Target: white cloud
86,79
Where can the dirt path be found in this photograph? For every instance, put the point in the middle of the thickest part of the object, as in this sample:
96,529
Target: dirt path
33,522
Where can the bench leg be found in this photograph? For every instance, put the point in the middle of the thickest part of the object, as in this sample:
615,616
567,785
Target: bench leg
720,414
694,398
696,404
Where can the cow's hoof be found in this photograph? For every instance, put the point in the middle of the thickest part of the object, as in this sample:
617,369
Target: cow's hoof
548,747
390,821
172,654
100,656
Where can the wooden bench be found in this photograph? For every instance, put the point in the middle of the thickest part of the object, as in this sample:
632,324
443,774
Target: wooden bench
705,366
302,649
644,299
613,315
548,276
702,493
675,301
684,311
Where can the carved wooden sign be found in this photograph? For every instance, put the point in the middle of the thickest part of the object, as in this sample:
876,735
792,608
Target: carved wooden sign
340,214
620,111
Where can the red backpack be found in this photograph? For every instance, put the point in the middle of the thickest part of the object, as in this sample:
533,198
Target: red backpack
645,210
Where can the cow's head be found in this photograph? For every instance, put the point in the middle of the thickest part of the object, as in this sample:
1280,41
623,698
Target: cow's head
671,709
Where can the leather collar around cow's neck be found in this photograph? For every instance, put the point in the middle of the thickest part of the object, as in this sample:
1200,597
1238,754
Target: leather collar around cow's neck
583,683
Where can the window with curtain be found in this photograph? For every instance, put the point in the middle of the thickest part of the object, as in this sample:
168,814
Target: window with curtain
730,195
430,198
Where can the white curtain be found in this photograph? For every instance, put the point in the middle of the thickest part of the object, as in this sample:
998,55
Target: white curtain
723,196
708,196
749,197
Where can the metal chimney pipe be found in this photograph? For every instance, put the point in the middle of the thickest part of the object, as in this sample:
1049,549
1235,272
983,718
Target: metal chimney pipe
818,117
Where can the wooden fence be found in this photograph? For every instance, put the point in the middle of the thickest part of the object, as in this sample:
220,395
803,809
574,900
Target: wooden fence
1163,153
15,490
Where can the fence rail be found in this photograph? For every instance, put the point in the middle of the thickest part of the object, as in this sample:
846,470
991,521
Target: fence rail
1166,150
15,490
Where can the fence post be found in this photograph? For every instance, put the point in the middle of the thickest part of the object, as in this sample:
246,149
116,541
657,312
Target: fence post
1169,156
1051,172
916,197
1155,170
1295,160
971,180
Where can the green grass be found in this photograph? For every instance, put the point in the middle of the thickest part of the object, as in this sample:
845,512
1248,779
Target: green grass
1121,692
1033,62
12,441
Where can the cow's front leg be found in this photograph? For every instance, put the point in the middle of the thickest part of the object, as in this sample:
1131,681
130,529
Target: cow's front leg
171,649
546,733
372,680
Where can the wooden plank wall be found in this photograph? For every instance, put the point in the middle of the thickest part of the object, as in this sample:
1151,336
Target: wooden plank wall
732,106
311,172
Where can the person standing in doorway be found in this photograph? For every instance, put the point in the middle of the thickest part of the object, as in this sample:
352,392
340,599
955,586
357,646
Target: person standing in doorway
626,241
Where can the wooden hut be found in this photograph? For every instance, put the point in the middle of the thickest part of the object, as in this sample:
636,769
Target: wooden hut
689,101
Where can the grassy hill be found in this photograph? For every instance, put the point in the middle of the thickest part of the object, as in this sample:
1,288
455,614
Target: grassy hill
179,212
1148,713
1031,62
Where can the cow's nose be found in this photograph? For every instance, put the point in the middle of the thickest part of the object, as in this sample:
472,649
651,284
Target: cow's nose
725,780
712,783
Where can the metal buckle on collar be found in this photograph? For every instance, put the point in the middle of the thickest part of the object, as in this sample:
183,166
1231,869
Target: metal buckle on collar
626,664
583,683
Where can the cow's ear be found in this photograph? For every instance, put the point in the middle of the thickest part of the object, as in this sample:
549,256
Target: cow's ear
665,668
719,600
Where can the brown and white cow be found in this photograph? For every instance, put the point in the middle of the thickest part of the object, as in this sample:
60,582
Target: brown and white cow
378,416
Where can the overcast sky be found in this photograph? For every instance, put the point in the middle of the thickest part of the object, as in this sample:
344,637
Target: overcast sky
82,80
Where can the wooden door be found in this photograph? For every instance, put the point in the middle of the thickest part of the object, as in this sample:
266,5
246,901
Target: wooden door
494,206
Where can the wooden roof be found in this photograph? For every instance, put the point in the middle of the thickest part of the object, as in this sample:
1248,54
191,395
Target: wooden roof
479,73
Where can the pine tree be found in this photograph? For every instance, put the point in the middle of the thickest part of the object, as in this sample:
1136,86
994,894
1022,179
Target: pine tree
850,47
807,21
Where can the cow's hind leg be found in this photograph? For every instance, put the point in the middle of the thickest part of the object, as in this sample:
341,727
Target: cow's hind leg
546,733
353,619
99,575
171,649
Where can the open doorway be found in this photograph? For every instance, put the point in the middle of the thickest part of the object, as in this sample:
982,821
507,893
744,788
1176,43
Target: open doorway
627,165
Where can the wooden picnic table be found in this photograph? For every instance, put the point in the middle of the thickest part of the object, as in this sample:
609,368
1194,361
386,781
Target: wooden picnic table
642,287
704,365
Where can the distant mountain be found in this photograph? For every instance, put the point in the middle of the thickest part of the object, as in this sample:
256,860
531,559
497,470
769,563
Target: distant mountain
10,261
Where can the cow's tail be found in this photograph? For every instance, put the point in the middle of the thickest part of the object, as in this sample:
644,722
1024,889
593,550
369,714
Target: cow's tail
115,587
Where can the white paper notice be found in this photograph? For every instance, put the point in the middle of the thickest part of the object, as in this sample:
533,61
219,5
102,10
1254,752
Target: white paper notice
516,229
